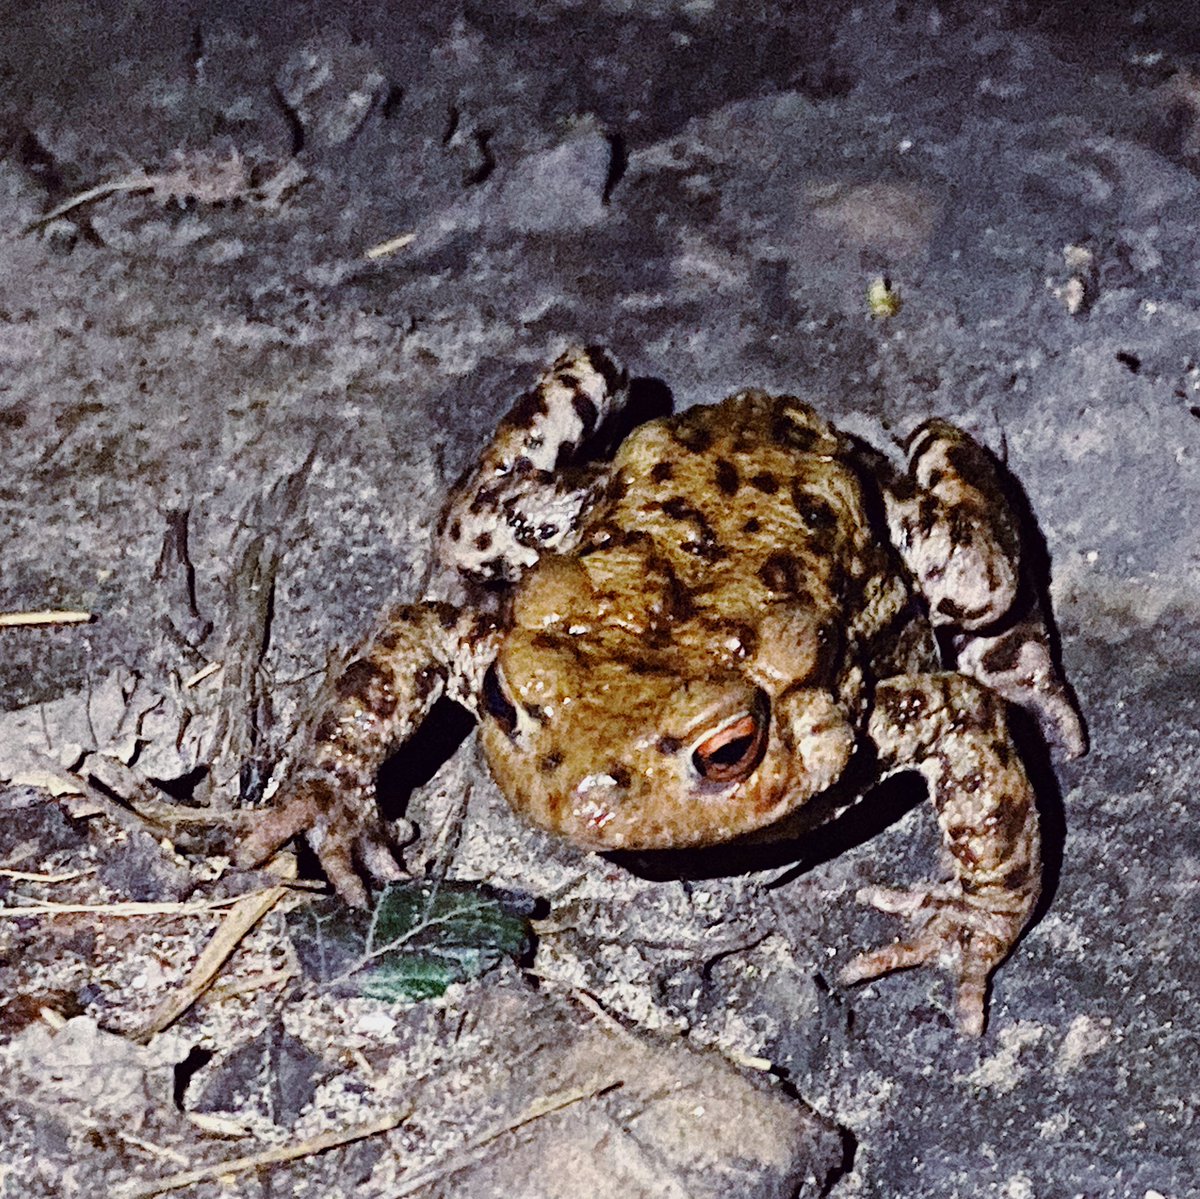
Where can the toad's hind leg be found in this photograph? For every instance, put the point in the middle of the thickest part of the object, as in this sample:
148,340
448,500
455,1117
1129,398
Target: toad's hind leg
954,528
516,502
954,732
960,541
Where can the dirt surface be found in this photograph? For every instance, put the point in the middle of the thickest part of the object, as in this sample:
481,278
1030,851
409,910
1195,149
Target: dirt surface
226,431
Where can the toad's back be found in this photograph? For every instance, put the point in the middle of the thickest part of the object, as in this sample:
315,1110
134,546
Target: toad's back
750,502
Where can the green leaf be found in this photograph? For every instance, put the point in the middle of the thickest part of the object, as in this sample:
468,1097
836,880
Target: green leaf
421,937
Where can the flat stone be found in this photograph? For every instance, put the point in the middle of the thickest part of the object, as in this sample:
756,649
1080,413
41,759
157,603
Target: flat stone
655,1118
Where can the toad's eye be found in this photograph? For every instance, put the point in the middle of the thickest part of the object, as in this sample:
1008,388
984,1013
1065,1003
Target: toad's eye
730,753
496,703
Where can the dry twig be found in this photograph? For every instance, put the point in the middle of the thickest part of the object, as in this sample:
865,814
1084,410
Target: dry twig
546,1105
266,1157
246,913
33,876
384,248
198,175
202,674
260,982
199,907
13,620
126,817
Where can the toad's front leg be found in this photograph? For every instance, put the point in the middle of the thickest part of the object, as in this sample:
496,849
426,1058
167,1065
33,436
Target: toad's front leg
379,700
955,733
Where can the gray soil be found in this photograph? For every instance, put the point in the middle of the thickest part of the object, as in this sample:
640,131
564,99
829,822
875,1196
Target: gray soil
226,432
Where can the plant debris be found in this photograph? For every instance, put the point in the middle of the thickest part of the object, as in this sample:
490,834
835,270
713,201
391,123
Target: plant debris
195,176
420,938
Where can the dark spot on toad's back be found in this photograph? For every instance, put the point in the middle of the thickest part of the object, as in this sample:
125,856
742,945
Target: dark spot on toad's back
612,374
787,432
950,607
780,573
620,775
812,509
677,508
1010,817
1002,656
693,436
660,472
389,639
727,476
617,486
707,550
928,511
427,680
1017,876
968,461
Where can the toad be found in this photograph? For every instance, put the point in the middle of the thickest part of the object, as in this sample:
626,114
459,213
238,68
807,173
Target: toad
684,645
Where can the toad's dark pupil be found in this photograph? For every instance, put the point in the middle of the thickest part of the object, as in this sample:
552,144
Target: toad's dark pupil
496,704
731,753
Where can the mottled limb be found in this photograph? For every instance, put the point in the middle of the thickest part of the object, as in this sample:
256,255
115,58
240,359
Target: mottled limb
959,540
954,529
1017,664
954,732
379,700
514,504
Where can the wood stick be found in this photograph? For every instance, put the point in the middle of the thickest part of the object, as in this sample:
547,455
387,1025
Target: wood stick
11,620
266,1157
245,914
546,1105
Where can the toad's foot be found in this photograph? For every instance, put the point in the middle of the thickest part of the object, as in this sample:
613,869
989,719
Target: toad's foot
960,934
336,834
516,503
959,538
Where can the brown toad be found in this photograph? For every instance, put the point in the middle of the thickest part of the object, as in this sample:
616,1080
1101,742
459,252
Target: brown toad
685,645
